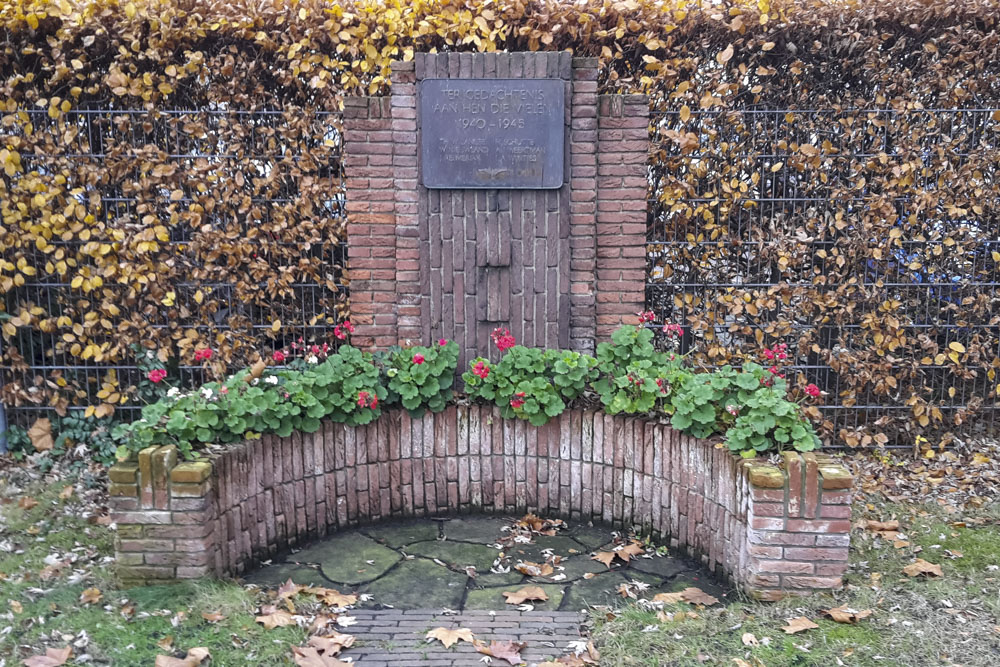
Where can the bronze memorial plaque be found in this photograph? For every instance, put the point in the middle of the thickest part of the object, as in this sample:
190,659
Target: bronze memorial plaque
492,133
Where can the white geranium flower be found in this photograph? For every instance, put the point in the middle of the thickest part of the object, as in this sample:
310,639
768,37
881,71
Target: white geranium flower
207,393
173,391
312,359
271,379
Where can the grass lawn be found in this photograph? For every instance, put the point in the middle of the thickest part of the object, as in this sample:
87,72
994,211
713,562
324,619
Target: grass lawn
949,620
54,550
51,553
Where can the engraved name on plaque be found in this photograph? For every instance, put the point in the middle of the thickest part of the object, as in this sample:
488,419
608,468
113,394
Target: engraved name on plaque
492,133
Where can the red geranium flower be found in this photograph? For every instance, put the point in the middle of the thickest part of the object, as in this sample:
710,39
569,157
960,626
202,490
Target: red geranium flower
518,400
442,342
363,399
278,356
156,375
481,370
502,339
418,358
203,355
813,390
645,316
673,330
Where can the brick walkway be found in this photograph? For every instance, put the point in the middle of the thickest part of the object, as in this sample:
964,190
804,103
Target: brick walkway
397,638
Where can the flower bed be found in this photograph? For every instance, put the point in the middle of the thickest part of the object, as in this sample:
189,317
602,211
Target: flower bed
749,407
310,451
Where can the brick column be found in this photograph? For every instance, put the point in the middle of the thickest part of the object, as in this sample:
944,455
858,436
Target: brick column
583,205
622,149
371,219
798,526
165,518
404,173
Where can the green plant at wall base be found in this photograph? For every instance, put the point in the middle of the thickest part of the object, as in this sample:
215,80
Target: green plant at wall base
634,375
529,383
345,388
421,378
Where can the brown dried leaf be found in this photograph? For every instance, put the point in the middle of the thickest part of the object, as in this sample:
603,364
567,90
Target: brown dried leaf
922,567
534,569
669,598
798,624
843,614
449,636
91,596
308,656
276,619
606,557
331,597
40,435
213,617
27,502
629,550
194,657
525,593
54,657
503,650
695,595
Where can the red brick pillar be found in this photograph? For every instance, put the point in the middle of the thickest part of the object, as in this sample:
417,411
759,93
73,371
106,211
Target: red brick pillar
371,219
622,149
583,205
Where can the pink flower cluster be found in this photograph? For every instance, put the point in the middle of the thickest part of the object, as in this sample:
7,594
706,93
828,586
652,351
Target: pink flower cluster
156,375
673,330
503,339
278,356
813,390
662,385
777,353
366,400
342,330
481,370
418,358
518,400
645,316
203,354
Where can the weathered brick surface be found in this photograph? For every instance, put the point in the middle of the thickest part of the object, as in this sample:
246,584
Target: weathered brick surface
427,264
268,495
392,638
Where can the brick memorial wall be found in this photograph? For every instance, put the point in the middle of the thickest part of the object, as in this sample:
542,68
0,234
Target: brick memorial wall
560,266
768,528
510,195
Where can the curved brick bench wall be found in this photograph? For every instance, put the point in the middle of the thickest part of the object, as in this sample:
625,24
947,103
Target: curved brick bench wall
768,529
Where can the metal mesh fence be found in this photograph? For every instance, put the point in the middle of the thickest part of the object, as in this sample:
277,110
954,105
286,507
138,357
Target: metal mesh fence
253,205
854,236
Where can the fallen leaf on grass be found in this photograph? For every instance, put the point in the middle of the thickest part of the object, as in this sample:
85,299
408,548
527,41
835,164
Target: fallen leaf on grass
534,569
798,624
842,614
54,657
275,619
695,595
194,657
167,643
505,650
749,639
289,589
525,593
213,617
888,530
449,636
16,607
27,502
90,596
67,492
669,598
920,566
309,657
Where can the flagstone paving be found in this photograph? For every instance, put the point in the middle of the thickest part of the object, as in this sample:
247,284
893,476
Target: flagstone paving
468,563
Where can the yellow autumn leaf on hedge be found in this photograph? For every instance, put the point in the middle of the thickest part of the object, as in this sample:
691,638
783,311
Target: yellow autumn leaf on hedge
168,300
956,346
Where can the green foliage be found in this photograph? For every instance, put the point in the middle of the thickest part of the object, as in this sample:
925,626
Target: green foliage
531,384
635,377
425,385
75,429
345,388
18,442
